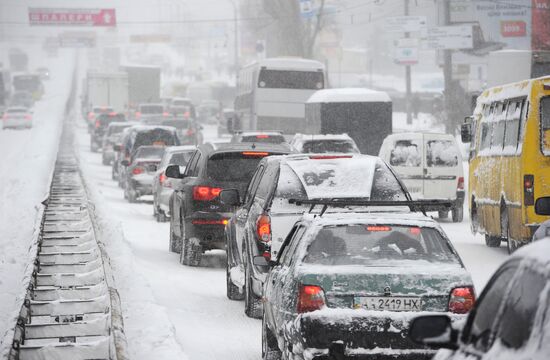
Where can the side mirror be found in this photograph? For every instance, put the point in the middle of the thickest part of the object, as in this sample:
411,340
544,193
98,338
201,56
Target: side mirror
435,331
230,197
117,148
173,172
262,261
466,130
542,206
125,163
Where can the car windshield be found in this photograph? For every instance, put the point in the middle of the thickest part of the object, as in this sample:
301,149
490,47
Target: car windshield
378,245
261,138
328,146
150,152
233,166
151,109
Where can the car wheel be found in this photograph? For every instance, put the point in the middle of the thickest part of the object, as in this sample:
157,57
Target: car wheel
233,291
474,221
492,241
270,348
132,196
113,175
175,242
104,161
443,214
511,244
252,303
458,214
191,251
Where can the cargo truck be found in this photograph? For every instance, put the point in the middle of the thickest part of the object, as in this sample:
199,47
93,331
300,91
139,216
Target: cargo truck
143,84
107,89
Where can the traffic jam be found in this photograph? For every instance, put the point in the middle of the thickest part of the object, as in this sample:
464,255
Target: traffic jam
274,209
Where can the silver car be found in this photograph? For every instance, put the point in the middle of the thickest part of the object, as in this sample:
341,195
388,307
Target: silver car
162,186
17,117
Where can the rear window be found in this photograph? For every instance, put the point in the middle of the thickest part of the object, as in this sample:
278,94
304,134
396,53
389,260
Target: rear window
328,146
267,139
178,124
158,137
406,153
285,79
102,110
106,119
233,167
441,153
378,245
151,109
150,152
117,129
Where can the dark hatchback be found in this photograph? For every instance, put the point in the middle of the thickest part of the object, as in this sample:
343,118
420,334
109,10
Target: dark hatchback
100,127
198,217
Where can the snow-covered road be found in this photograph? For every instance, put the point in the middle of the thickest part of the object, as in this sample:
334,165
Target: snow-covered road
27,159
172,309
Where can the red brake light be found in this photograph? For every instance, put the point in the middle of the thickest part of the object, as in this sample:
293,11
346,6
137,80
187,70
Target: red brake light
138,170
209,222
255,153
415,231
310,298
28,117
165,114
327,157
263,228
97,124
378,228
90,115
460,185
462,300
112,113
163,182
186,115
262,136
190,132
205,193
138,114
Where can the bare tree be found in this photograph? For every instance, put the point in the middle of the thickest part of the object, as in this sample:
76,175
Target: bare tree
295,36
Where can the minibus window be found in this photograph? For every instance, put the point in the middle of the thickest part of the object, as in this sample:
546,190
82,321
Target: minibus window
485,135
512,126
545,124
498,135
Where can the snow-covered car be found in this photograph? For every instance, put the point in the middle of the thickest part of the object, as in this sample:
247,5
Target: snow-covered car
265,216
197,216
329,143
509,321
112,137
267,137
94,113
162,186
182,107
350,284
17,117
431,167
140,172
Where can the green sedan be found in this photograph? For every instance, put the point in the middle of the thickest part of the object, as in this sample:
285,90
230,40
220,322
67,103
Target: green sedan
347,285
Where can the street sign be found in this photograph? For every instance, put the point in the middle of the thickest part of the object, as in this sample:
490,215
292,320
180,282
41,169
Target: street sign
450,37
405,23
306,9
406,51
71,17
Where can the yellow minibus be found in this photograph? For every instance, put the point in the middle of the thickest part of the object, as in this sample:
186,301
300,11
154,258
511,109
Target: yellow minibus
509,177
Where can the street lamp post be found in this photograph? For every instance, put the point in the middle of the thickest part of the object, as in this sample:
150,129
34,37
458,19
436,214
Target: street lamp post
235,4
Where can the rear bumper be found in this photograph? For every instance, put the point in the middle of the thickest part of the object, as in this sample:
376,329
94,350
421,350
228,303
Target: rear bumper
356,334
15,123
202,225
143,184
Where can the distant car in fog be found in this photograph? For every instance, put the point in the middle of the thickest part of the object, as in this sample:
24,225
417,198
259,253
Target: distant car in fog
147,111
22,99
94,113
265,137
162,185
182,107
43,72
141,169
30,83
208,111
330,143
112,137
100,126
17,117
189,132
226,121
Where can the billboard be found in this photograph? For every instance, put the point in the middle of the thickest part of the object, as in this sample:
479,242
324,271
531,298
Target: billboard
71,17
541,25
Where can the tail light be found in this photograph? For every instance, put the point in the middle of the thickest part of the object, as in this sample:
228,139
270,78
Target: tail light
112,113
138,114
205,193
310,298
255,153
462,300
90,115
186,115
528,190
165,114
209,222
28,117
138,170
263,228
190,132
460,185
262,136
97,124
162,180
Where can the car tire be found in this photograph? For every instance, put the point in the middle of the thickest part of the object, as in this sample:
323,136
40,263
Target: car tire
160,216
105,162
132,196
474,220
252,303
191,254
270,348
511,244
492,241
458,214
233,291
443,214
175,242
113,175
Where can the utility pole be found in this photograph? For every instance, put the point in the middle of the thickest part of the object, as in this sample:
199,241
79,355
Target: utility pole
408,77
235,4
447,70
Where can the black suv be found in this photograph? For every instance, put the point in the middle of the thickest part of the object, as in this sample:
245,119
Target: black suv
197,216
100,126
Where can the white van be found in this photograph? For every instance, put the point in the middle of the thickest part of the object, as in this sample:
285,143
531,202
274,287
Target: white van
430,165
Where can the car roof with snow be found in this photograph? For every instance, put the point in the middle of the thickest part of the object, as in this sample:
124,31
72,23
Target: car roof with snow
538,250
254,147
140,128
252,133
174,149
348,95
316,137
375,215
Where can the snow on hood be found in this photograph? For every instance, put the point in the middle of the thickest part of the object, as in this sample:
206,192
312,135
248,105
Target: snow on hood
336,178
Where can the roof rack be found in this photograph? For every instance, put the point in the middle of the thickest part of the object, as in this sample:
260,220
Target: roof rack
413,205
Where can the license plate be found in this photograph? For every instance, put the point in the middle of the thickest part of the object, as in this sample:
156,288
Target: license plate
393,303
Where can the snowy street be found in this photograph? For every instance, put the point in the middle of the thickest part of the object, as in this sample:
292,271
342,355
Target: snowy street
185,308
